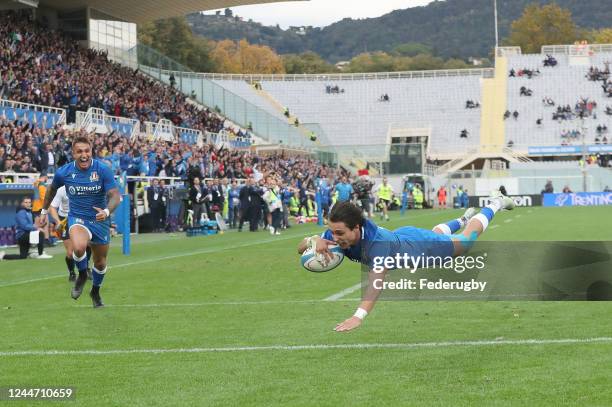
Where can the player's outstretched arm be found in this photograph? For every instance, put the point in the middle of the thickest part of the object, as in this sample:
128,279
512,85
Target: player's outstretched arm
320,245
373,289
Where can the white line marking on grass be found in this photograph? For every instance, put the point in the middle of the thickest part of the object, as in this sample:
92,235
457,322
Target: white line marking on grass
195,253
344,292
357,346
212,303
508,221
493,227
156,259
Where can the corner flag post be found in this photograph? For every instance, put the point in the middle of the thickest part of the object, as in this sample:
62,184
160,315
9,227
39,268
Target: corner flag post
124,218
319,208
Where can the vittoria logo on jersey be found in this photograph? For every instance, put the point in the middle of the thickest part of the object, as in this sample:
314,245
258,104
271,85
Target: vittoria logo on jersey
93,177
81,190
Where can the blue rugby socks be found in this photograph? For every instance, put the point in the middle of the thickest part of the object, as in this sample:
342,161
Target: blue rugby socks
488,212
81,262
452,227
98,276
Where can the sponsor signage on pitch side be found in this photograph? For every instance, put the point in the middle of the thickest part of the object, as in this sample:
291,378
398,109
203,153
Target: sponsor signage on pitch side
578,199
561,150
519,200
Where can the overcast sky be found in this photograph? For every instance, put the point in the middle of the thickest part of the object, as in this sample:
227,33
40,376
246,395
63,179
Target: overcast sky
320,13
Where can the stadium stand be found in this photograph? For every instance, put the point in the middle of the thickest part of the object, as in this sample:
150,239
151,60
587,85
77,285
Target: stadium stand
357,116
42,67
564,85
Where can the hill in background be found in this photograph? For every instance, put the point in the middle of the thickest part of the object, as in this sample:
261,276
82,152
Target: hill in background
451,29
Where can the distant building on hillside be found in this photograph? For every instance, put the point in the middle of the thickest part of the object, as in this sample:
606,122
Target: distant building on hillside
341,65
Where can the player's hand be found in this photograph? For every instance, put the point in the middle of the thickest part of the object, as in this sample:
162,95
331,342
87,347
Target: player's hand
348,325
42,221
101,215
321,247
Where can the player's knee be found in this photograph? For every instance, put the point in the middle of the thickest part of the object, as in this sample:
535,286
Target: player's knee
100,267
79,251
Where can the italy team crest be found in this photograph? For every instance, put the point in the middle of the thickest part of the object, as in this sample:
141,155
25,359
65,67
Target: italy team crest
93,177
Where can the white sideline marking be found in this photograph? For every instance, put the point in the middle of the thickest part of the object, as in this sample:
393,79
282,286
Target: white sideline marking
212,303
415,345
493,227
205,251
344,292
156,259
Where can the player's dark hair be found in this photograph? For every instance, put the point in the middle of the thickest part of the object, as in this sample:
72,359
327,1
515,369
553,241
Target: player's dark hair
348,213
81,139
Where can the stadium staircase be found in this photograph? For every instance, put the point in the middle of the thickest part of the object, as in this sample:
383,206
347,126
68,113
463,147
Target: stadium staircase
492,125
275,103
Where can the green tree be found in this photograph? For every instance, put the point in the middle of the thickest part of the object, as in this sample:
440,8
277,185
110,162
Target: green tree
546,25
308,62
454,63
603,36
411,49
242,57
173,38
372,62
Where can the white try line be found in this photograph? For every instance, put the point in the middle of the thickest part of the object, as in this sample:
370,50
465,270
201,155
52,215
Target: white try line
344,292
349,346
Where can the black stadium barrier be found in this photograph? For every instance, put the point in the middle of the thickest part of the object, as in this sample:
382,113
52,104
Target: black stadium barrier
519,200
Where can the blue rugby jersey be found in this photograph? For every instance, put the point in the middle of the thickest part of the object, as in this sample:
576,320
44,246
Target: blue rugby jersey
85,188
377,241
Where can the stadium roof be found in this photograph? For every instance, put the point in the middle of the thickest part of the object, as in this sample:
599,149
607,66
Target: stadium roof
141,11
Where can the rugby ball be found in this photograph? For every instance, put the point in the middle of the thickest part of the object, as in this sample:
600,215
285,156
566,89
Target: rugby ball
318,263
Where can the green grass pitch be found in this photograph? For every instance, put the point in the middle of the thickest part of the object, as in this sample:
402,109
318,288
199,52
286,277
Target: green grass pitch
234,320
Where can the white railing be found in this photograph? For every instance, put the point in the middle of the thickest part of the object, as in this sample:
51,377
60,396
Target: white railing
124,120
81,121
163,130
447,166
196,134
37,108
27,178
97,120
507,51
483,72
517,154
577,49
22,177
